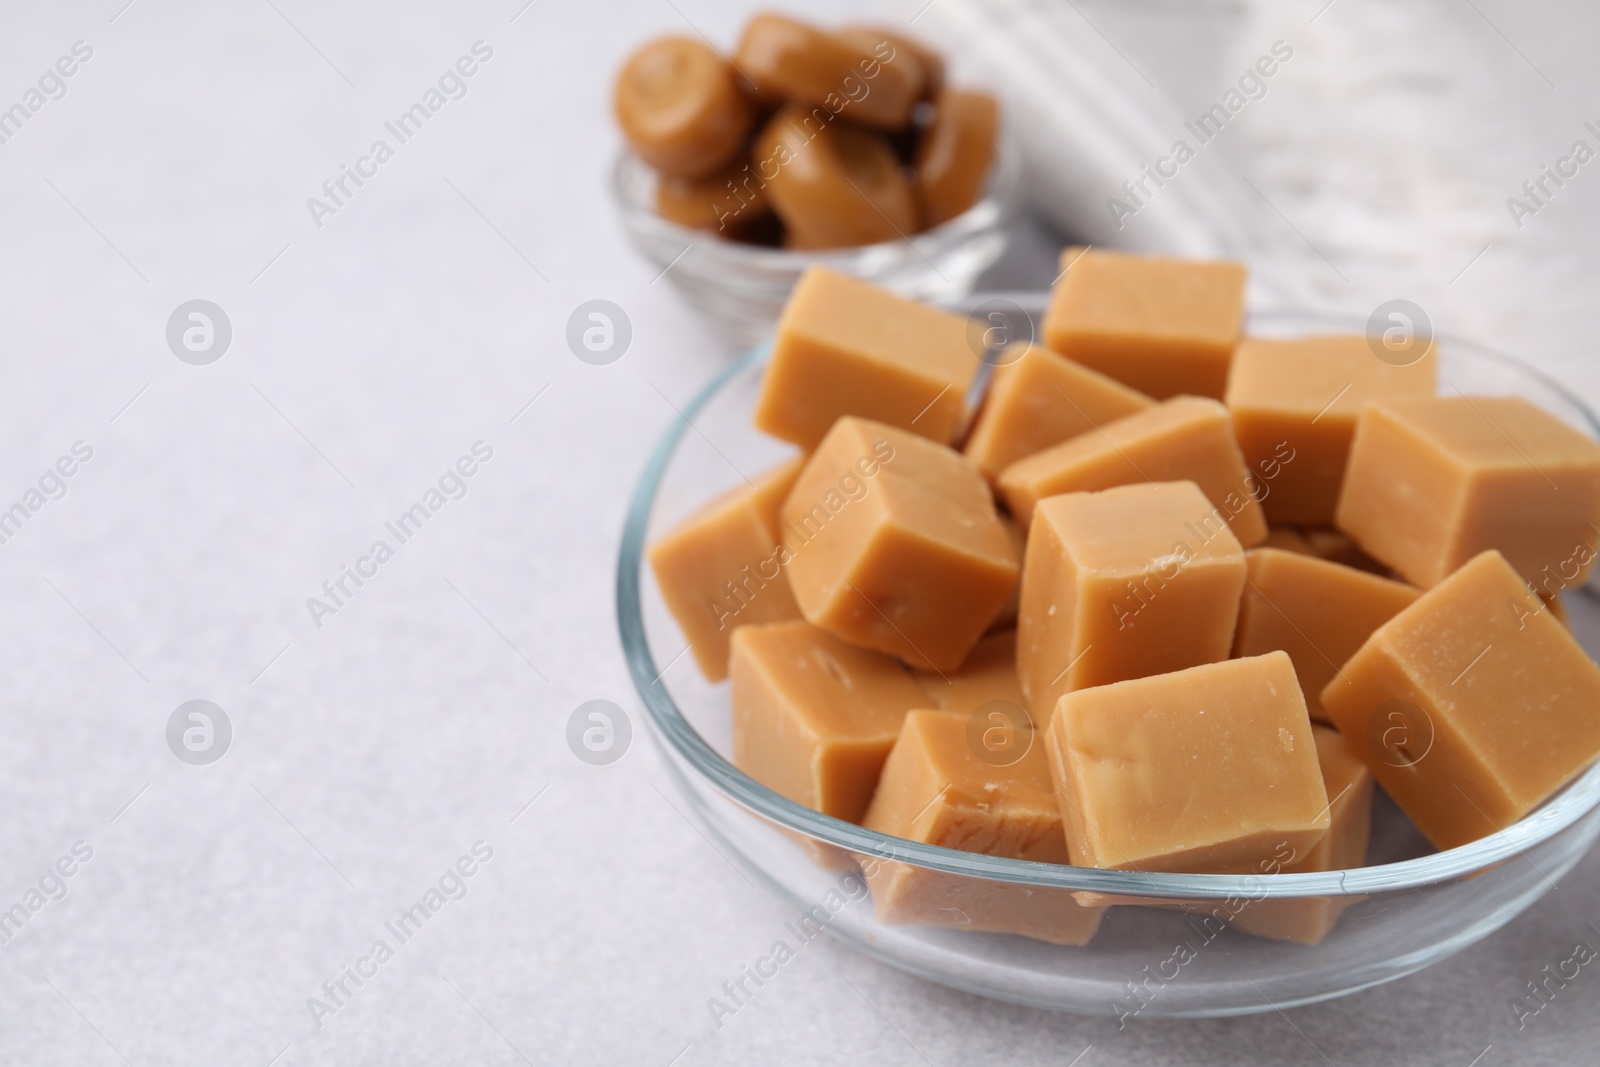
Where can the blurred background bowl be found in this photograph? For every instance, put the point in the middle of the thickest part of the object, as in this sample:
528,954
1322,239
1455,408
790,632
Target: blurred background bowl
743,287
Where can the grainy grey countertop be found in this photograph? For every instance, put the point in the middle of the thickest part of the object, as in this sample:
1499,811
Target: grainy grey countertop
401,735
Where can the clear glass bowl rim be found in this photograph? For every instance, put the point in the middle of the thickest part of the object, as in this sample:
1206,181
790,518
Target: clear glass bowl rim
1577,799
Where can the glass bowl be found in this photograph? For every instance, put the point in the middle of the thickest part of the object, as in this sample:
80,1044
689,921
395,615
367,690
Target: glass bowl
1412,908
744,287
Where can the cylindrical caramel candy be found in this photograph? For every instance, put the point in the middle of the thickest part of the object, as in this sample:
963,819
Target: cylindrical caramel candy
833,185
870,37
680,108
954,156
728,202
808,65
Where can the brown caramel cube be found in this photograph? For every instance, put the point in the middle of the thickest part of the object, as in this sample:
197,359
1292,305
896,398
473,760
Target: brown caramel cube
1039,398
1188,438
894,544
1294,405
1335,547
833,185
1288,539
1434,481
1210,770
872,38
988,674
845,347
680,108
1007,619
1121,584
954,154
1471,706
1163,326
1320,613
720,568
1558,609
935,789
1349,787
814,718
874,85
728,202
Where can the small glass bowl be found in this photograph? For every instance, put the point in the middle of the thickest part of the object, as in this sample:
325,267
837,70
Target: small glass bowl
1413,907
744,287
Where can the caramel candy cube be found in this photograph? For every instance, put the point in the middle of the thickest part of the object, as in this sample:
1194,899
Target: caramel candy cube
1007,619
1121,584
1210,770
1288,539
728,202
845,347
1335,547
836,186
874,85
935,789
1320,613
1471,706
680,108
1294,405
1188,438
893,543
721,567
1434,481
954,155
1557,608
1163,326
871,37
814,718
1038,398
1348,784
988,674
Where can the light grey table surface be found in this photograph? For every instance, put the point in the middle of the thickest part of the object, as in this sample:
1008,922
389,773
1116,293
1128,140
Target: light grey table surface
371,751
